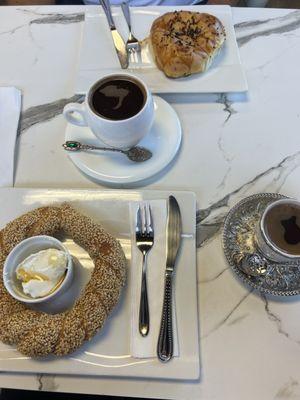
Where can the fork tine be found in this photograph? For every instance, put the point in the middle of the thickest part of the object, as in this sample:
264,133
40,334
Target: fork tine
149,218
138,227
131,56
135,55
144,223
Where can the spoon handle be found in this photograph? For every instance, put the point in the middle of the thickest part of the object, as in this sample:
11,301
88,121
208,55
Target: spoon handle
77,146
90,147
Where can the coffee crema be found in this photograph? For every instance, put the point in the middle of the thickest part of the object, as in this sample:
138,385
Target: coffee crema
117,99
282,226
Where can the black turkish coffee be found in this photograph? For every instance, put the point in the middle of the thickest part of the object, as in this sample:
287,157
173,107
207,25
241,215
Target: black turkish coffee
117,99
282,226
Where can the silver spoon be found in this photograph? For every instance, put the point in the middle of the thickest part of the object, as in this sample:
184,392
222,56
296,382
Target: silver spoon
136,153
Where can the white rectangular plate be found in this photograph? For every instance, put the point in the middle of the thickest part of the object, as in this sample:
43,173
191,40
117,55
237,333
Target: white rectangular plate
98,57
108,353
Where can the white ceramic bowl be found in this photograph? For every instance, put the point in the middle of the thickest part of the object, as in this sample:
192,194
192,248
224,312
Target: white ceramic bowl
22,251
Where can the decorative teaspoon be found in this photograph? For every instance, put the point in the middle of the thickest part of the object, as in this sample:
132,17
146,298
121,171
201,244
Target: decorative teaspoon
136,153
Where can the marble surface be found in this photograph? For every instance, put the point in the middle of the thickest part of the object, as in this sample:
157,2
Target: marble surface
234,145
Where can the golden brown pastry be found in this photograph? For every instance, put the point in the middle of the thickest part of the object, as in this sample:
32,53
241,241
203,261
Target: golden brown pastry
37,333
185,42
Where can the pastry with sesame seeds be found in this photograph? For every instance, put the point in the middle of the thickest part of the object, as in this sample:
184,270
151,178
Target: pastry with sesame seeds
14,327
93,313
72,333
36,343
186,42
38,334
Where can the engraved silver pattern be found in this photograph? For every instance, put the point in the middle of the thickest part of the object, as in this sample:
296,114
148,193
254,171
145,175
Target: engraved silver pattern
245,258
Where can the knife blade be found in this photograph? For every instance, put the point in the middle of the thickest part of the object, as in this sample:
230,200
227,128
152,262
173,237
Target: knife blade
117,38
173,232
174,229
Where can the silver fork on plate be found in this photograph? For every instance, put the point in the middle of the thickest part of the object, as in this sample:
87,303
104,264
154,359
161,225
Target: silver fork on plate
144,235
132,44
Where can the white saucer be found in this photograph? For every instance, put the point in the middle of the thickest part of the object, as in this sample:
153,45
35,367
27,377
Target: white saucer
163,140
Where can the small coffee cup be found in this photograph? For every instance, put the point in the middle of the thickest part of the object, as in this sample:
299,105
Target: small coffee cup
118,109
278,231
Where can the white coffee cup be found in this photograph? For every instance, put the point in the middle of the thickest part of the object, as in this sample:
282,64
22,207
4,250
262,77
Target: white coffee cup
123,133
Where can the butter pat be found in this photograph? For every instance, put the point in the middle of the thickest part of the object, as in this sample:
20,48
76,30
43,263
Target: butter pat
35,288
42,271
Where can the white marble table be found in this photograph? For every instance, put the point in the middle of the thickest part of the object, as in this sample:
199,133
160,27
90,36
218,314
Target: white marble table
233,146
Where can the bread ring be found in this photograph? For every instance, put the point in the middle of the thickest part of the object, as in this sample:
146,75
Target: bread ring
185,42
37,333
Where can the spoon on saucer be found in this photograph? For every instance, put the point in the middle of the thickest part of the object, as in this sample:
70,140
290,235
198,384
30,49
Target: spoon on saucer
136,153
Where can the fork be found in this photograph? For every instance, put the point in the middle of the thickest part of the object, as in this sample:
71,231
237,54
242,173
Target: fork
144,235
132,44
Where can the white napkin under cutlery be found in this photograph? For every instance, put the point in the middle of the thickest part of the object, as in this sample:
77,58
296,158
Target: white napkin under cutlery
10,108
145,347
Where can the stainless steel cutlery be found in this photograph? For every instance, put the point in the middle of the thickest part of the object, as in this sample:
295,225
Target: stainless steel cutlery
118,41
144,233
144,241
136,153
165,344
132,44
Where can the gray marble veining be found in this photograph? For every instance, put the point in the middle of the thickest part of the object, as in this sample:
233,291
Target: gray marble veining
287,390
228,315
238,319
46,382
223,99
215,277
246,31
210,219
51,18
59,19
12,30
208,231
225,154
273,317
44,112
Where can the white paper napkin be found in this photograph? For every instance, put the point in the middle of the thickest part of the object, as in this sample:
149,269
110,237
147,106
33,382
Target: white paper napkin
10,108
144,347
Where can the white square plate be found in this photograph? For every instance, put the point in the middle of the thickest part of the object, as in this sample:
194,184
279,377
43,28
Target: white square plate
98,57
108,353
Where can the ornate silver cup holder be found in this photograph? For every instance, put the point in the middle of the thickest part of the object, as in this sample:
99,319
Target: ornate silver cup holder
244,257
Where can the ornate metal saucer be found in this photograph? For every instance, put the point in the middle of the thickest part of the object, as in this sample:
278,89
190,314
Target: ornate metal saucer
243,255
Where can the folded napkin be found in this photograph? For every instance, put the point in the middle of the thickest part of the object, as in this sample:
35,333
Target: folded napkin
10,108
144,347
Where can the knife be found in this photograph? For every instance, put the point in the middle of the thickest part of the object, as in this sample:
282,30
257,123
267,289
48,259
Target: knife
118,41
174,229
